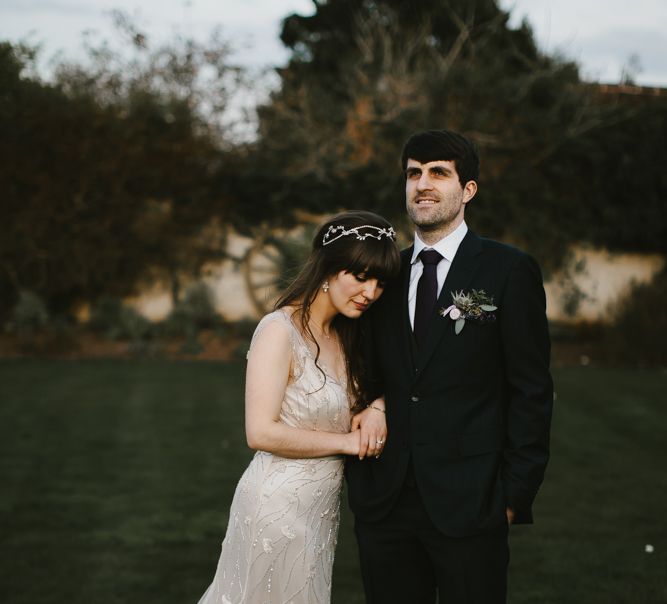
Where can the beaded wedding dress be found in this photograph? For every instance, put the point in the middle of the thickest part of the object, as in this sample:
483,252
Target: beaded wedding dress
283,522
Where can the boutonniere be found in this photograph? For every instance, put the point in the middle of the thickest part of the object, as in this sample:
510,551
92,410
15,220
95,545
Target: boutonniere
475,306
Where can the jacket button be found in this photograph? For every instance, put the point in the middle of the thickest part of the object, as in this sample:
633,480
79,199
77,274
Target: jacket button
414,399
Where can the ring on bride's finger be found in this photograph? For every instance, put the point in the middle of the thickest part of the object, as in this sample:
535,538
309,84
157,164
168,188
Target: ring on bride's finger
379,441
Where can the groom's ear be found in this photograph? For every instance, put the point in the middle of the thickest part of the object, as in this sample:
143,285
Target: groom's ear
469,190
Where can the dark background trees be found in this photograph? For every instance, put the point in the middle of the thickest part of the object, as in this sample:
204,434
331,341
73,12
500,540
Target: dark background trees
559,163
110,173
122,170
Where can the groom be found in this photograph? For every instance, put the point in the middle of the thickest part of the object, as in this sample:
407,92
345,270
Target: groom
459,347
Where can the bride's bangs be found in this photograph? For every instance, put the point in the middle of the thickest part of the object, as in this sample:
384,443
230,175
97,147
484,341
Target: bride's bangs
375,259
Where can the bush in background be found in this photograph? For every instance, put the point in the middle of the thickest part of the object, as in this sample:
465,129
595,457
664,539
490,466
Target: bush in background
35,331
638,335
28,315
119,321
195,312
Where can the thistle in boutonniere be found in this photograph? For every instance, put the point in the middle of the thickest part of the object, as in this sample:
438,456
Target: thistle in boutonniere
475,306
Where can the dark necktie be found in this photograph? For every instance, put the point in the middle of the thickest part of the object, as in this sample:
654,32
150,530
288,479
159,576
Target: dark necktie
427,292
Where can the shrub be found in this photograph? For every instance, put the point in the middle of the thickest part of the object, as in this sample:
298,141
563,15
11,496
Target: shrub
194,312
119,321
29,314
36,332
638,335
104,313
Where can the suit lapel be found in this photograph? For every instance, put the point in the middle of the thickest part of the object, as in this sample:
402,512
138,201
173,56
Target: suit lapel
458,278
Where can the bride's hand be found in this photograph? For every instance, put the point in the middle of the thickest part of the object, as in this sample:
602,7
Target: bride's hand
372,425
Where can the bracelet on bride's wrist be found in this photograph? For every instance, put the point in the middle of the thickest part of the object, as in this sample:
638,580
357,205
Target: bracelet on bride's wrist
371,406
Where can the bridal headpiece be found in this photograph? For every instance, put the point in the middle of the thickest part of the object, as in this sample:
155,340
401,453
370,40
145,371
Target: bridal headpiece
335,232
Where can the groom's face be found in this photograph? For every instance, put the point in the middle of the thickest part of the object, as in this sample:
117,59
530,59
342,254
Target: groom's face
434,197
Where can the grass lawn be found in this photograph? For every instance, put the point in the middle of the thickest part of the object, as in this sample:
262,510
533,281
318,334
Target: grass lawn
116,478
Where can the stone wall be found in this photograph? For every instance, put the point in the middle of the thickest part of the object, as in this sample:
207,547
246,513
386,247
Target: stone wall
586,290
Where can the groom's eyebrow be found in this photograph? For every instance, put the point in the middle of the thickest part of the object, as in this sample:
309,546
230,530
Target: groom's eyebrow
440,169
437,170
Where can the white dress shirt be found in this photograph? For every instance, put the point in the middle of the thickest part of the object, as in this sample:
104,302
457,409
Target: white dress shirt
447,247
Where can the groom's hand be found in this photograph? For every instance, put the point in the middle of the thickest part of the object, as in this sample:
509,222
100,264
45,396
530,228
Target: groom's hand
510,515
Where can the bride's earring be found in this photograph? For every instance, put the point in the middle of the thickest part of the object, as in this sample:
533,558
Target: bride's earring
325,287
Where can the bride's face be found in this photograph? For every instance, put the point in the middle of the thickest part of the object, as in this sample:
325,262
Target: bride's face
351,295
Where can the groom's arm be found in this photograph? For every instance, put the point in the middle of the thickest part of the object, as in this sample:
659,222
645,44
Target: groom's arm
526,348
373,386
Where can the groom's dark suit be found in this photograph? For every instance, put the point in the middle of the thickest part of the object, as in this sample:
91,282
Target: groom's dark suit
468,415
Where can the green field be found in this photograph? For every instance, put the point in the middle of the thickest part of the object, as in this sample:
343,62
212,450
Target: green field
117,477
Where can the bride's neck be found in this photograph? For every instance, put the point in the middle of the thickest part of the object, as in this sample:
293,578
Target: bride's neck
322,314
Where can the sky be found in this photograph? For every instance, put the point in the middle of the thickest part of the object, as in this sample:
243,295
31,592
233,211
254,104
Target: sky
601,35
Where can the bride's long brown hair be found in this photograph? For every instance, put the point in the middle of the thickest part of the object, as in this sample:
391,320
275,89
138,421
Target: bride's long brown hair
374,258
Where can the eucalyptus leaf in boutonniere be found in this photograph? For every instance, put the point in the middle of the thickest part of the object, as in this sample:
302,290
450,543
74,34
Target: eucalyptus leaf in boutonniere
475,306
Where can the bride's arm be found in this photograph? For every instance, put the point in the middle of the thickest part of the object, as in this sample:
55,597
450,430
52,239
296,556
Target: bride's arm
266,380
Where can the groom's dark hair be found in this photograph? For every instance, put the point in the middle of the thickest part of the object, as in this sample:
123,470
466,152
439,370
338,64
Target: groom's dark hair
443,145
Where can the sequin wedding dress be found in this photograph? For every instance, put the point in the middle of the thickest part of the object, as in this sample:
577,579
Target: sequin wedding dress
283,522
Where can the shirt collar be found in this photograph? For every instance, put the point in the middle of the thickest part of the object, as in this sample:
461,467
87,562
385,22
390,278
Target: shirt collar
447,246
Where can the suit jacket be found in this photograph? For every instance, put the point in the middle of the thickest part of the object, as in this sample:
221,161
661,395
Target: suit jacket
471,411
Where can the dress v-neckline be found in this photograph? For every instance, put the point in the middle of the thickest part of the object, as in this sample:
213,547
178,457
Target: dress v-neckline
319,364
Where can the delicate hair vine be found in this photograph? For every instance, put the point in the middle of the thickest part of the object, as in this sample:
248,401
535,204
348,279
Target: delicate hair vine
335,232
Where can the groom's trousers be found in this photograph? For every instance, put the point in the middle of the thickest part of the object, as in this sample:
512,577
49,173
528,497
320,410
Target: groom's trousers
405,559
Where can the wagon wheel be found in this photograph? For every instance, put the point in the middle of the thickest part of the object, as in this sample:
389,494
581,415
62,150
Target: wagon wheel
271,261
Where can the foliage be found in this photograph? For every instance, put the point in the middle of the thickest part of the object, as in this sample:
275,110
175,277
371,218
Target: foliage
364,75
29,313
33,331
111,173
194,313
119,321
182,79
126,169
639,332
616,178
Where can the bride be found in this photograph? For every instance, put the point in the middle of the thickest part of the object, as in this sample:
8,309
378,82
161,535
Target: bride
306,410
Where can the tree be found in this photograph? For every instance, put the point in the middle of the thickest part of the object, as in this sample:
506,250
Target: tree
113,172
365,74
622,193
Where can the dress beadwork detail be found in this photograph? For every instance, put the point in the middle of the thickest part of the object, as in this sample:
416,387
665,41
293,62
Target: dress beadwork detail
283,521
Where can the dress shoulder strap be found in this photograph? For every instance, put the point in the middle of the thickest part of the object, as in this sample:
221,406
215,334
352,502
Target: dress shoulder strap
284,317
